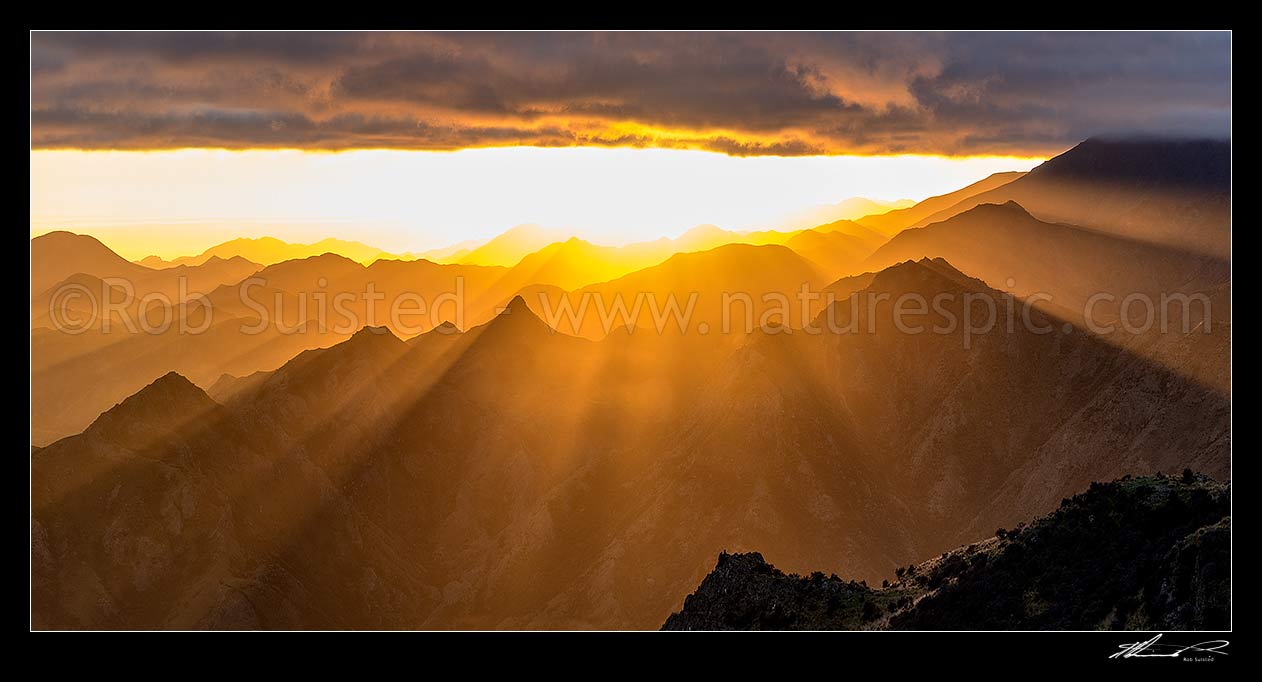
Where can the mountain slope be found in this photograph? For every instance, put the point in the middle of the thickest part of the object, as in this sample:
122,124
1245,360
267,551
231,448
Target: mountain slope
891,222
126,517
1159,559
1007,246
513,244
303,304
835,253
58,255
67,271
575,263
1172,193
208,525
853,208
870,238
735,287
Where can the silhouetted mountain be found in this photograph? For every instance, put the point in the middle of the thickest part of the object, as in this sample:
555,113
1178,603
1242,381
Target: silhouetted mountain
853,208
202,278
152,261
844,287
75,376
947,414
452,253
763,281
870,238
1005,245
83,374
510,246
575,263
444,328
1148,553
58,255
836,253
702,238
228,386
62,262
891,222
516,323
54,306
707,237
1170,192
838,248
531,249
140,523
170,283
163,407
269,250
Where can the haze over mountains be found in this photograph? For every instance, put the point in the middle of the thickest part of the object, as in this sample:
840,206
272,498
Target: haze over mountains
891,222
1003,243
80,374
849,209
1169,193
511,246
57,256
509,462
269,250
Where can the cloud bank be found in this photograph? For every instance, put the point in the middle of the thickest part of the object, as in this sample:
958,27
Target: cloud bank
737,93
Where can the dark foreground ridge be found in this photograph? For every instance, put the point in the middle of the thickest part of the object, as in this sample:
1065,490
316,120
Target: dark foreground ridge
1136,553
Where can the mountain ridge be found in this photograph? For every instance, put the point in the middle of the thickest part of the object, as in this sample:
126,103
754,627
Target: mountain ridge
1006,244
270,250
1170,192
1027,578
891,222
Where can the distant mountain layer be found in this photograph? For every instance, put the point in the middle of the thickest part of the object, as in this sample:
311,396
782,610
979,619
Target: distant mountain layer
269,250
75,273
77,376
1151,553
510,246
1010,248
853,208
890,222
1172,193
58,255
552,257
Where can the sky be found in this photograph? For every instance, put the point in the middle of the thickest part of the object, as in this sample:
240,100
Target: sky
174,203
625,135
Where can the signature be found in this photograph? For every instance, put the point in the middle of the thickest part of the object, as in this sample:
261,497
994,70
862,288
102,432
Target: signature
1151,649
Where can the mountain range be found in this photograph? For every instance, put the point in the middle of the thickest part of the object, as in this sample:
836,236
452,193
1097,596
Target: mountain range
480,480
1173,193
516,466
853,208
269,251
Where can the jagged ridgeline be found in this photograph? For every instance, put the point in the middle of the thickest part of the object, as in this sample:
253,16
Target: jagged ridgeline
1150,553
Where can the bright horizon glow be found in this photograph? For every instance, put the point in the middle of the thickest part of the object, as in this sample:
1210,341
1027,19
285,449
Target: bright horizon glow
179,203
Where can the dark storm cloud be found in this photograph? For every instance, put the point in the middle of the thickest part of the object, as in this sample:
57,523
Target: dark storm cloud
738,93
